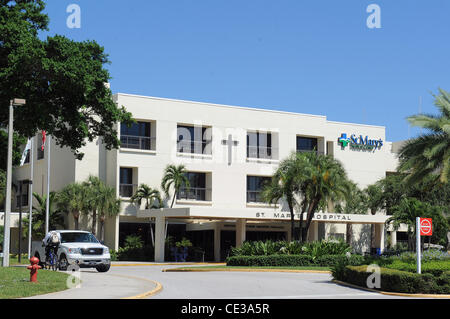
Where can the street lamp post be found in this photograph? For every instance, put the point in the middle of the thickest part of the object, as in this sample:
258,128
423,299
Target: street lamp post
7,230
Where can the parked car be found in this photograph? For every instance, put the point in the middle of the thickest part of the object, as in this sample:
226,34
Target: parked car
77,248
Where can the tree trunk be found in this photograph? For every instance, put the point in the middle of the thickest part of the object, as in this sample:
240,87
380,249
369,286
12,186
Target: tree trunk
76,216
291,209
102,228
301,221
311,211
349,233
173,199
94,222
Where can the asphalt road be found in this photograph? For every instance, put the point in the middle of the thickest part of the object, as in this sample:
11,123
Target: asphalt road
144,281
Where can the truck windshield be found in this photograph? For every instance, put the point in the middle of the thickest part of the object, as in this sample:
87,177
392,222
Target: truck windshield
78,238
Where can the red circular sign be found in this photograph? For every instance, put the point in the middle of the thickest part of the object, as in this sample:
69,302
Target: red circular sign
426,228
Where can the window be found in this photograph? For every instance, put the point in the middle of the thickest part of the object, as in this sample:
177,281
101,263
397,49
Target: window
138,136
193,139
259,145
306,144
255,185
126,186
197,189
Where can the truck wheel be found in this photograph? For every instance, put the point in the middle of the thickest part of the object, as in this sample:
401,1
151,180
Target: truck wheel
103,268
63,263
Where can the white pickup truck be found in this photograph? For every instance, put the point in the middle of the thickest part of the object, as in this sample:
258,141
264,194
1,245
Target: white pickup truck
77,248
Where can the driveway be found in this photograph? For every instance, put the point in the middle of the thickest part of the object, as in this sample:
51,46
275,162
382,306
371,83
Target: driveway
149,281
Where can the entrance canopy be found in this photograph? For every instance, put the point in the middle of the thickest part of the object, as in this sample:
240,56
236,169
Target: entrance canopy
224,214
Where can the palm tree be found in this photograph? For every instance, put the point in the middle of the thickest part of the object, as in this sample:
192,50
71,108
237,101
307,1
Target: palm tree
56,217
108,206
93,197
354,203
374,199
429,153
286,184
174,176
72,199
325,180
151,196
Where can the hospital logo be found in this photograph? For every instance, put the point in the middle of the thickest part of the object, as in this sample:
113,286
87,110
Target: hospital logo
360,142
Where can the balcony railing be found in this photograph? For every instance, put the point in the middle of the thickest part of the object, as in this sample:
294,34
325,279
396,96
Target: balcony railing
138,142
127,190
254,197
261,152
194,193
191,146
311,151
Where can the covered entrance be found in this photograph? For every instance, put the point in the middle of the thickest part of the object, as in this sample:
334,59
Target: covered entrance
232,231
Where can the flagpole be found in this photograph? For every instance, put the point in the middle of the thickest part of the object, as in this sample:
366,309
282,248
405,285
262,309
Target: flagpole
47,207
30,197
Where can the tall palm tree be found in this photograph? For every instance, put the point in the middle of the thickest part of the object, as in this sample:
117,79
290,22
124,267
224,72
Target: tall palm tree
354,203
108,206
286,184
374,199
56,217
325,180
71,199
429,153
93,187
151,196
174,177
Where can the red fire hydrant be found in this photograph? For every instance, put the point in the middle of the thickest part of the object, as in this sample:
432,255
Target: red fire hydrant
33,269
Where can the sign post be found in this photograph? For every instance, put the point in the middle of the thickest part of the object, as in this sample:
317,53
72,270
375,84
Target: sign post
424,227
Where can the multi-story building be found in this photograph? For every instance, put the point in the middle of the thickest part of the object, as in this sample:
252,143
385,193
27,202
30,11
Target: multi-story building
229,153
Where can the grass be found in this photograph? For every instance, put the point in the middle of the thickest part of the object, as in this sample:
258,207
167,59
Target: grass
14,282
222,267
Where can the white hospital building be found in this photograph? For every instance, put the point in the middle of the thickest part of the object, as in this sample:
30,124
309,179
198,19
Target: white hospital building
228,151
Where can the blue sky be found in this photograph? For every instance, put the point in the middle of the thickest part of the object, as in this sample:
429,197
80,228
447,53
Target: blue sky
315,56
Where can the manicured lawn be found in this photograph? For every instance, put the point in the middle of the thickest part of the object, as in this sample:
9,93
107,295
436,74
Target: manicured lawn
14,282
245,268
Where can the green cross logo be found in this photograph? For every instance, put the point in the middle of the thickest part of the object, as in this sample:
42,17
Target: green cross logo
344,140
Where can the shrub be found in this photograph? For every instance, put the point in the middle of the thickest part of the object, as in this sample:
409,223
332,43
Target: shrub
396,280
294,260
133,241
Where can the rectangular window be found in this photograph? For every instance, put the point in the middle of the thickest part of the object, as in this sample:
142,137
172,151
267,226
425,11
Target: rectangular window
126,186
197,187
306,144
138,136
259,145
191,139
255,185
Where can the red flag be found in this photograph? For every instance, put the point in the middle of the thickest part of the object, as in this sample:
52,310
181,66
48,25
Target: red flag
43,140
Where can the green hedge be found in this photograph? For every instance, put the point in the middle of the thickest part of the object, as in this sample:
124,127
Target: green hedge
393,280
294,260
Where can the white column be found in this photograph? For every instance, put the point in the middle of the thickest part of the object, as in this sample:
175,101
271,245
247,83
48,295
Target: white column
393,238
217,242
240,231
379,236
160,225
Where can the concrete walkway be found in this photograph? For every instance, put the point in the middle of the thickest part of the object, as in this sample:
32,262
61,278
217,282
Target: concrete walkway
109,285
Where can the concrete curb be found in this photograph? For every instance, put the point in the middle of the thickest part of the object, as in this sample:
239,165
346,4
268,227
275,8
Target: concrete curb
399,294
149,293
164,264
245,270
